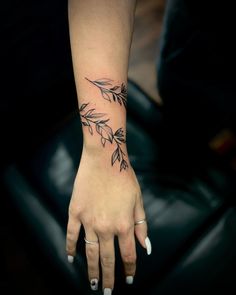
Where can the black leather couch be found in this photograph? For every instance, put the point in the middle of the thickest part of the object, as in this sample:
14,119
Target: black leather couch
188,195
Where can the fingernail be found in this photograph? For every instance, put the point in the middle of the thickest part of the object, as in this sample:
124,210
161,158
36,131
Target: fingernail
70,258
129,280
94,284
148,246
107,291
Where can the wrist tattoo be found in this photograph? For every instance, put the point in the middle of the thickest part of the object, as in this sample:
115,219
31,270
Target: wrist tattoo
91,119
110,92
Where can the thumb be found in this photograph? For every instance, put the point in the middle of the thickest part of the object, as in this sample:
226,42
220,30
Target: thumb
140,229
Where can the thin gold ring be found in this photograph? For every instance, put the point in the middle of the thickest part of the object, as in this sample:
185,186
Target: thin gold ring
90,242
140,221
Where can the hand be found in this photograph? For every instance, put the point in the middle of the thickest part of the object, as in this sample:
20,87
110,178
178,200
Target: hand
106,202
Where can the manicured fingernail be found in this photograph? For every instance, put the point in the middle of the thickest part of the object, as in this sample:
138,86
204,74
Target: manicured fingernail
70,258
94,284
107,291
129,280
148,246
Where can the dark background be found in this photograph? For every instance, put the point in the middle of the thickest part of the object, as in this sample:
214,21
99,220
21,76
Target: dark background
37,80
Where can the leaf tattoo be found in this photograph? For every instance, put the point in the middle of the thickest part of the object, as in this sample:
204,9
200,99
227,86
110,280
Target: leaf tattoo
109,92
89,118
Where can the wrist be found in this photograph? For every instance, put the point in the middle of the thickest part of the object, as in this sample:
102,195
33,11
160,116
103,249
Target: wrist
112,156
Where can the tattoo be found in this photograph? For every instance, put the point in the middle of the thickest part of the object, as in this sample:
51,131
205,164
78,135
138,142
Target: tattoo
109,92
90,118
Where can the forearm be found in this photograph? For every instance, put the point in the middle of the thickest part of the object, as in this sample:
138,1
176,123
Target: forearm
100,34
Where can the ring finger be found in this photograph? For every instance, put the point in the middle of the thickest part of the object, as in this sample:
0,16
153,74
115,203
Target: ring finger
92,254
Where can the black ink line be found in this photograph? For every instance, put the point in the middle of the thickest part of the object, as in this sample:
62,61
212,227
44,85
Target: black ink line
106,133
109,92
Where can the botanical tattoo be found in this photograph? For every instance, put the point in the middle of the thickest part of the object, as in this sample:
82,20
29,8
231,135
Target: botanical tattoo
110,92
91,119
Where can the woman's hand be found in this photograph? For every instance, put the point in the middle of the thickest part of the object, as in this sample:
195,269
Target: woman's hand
106,202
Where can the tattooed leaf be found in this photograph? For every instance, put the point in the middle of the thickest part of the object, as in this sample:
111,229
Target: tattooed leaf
103,140
123,165
124,102
115,156
105,95
104,79
83,106
123,88
101,122
120,139
103,82
85,123
105,131
114,88
95,116
119,100
109,93
89,112
119,132
90,130
114,96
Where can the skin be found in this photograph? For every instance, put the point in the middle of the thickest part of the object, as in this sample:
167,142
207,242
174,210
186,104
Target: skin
105,200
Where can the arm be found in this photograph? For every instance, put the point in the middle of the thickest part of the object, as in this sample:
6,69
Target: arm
106,197
100,33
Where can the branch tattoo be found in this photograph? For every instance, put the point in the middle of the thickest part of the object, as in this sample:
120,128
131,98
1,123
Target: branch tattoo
109,92
90,119
93,120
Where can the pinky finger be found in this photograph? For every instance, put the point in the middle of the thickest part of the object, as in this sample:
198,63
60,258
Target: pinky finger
141,229
73,229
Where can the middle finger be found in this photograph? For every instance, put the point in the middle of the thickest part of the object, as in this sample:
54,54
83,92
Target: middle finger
107,258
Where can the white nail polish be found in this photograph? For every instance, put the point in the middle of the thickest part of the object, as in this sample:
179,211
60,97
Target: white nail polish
129,280
94,284
107,291
148,246
70,258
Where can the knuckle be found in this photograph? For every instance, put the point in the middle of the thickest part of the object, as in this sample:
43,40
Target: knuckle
87,221
90,253
70,247
70,235
70,250
70,240
124,228
103,228
92,269
71,210
129,259
74,211
70,229
107,261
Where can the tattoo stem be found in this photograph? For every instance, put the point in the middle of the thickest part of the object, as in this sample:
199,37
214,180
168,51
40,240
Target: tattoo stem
109,92
106,133
100,87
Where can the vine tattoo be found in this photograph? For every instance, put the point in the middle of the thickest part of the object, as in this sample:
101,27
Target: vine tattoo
90,118
109,92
